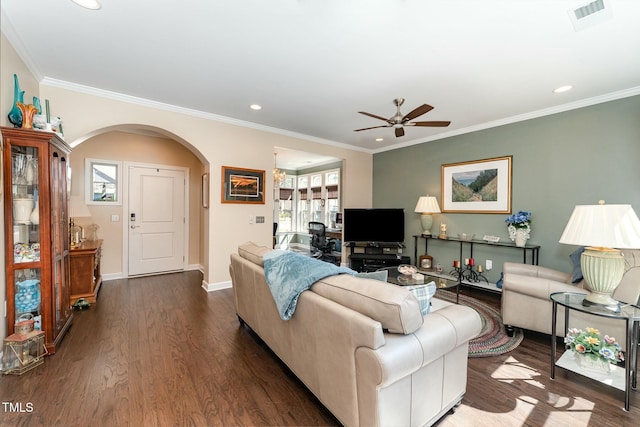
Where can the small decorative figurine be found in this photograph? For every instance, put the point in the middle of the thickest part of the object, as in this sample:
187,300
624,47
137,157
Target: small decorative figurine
443,231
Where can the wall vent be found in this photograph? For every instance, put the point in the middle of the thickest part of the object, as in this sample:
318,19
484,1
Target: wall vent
590,14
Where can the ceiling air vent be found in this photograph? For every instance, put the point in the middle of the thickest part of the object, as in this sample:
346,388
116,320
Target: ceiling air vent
590,14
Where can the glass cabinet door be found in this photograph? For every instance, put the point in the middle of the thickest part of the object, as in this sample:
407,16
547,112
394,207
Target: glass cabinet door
24,201
28,296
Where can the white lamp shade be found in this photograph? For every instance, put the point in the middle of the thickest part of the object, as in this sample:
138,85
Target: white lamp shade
427,204
88,4
78,208
607,226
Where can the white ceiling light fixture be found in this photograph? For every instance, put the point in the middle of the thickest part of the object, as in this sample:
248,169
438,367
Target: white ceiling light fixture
561,89
255,107
89,4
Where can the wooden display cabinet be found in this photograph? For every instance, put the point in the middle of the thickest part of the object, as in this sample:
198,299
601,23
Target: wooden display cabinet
36,221
85,271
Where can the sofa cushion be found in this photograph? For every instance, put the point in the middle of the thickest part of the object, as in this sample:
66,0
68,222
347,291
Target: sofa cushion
397,309
252,252
423,294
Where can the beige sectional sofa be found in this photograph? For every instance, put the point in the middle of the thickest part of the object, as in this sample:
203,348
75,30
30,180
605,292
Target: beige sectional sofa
340,344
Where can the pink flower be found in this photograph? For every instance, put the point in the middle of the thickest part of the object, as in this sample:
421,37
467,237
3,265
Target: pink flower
609,340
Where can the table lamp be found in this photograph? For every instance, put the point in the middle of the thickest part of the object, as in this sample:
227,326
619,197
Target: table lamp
77,209
603,230
427,205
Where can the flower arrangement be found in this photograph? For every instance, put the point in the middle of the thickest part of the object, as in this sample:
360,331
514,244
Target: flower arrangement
519,221
593,345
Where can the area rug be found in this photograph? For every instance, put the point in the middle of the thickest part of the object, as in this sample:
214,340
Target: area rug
493,340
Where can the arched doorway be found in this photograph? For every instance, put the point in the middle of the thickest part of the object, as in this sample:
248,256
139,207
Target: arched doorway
140,146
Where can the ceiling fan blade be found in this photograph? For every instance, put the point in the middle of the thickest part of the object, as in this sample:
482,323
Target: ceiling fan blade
423,109
434,124
399,132
374,127
373,115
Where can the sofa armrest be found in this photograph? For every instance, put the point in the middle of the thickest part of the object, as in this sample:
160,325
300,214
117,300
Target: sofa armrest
535,271
442,331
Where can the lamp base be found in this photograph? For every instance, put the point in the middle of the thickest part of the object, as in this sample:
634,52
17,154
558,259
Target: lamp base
427,222
602,269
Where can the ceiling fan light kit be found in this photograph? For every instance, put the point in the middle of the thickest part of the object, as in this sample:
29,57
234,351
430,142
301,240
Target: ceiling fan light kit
398,121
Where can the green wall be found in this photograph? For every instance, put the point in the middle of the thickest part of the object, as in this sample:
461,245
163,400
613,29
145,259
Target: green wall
559,161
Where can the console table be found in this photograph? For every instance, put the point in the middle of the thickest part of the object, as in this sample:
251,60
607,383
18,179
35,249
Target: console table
528,251
629,313
85,270
534,249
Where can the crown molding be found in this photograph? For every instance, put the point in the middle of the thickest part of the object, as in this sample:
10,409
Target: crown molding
613,96
47,81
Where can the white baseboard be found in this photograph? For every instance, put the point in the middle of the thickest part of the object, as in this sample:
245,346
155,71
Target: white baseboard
120,275
112,276
212,287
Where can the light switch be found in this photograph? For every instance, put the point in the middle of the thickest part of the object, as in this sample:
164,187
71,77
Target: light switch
115,218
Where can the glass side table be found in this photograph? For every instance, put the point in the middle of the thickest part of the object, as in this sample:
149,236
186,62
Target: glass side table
629,313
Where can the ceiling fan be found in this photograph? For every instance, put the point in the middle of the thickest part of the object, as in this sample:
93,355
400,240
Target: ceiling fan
398,121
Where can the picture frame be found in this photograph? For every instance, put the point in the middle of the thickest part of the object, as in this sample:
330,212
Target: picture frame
241,185
478,186
205,190
425,262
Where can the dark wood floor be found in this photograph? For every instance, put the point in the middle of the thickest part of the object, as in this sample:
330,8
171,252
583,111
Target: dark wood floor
159,351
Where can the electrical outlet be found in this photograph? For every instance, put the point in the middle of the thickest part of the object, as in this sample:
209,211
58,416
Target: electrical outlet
250,219
115,218
489,264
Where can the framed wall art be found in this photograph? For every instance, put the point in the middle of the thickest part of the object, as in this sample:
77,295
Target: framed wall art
240,185
479,186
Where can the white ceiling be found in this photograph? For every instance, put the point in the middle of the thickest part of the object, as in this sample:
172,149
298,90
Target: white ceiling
313,64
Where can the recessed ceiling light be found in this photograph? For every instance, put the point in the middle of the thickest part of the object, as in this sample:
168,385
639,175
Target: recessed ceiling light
255,107
564,88
379,139
89,4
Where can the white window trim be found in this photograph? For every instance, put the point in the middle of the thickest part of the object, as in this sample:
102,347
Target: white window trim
88,170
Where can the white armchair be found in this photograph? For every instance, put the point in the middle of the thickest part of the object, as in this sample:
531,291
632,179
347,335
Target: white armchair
526,303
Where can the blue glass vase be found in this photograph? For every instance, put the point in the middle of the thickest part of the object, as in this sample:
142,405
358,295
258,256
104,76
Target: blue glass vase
15,115
500,281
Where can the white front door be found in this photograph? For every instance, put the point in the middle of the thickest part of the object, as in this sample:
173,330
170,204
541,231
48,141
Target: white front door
156,220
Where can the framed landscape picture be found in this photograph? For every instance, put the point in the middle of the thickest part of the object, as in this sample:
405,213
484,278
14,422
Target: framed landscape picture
479,186
241,185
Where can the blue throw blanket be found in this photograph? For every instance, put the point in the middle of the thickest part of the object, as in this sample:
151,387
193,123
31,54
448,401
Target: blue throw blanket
288,274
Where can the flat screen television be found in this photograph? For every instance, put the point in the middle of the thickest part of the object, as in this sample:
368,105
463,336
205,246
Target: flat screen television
373,225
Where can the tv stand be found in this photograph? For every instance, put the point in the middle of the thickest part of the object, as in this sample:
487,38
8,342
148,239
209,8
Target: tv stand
371,256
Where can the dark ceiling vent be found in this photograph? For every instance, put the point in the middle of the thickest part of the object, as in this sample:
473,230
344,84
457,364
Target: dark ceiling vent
590,14
589,9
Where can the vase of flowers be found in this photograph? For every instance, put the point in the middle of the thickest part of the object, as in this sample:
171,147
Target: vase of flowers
519,227
592,350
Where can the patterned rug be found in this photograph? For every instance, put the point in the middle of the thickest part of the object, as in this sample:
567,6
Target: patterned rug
493,340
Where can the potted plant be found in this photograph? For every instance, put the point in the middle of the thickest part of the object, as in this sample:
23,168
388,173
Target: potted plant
519,227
